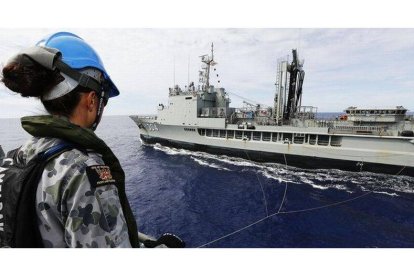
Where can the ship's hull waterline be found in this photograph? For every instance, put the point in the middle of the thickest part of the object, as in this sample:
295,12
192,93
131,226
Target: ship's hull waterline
395,162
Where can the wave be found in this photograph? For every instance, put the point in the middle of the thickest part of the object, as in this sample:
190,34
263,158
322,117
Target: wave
322,179
207,164
385,193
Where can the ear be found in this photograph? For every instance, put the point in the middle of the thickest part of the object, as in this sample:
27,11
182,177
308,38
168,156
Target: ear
91,100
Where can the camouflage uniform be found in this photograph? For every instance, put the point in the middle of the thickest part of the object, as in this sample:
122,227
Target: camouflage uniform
72,212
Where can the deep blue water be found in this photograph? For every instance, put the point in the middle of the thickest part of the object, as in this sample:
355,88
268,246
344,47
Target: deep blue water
203,197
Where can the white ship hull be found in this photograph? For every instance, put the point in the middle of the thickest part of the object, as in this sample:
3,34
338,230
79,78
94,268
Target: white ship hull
387,154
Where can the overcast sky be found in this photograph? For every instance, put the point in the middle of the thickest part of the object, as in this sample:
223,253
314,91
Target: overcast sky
344,67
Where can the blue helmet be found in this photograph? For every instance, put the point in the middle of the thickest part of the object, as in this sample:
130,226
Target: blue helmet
78,55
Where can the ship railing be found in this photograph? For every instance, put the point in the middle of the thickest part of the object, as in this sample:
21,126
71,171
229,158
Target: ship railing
306,113
360,130
324,123
148,117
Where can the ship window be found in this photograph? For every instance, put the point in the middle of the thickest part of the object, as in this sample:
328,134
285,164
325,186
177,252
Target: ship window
230,134
209,132
371,111
247,135
347,111
239,134
274,136
188,98
256,136
287,136
266,136
323,140
312,139
202,131
336,141
222,133
215,133
298,139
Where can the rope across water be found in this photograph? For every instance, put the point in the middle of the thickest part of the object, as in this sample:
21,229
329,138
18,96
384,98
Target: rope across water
279,212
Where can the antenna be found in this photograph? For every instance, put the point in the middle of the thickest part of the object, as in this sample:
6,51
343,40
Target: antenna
188,73
174,71
209,63
204,76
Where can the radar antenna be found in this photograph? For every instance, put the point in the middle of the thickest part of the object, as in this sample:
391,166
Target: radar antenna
204,74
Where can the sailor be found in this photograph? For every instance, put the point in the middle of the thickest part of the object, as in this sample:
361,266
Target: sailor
80,198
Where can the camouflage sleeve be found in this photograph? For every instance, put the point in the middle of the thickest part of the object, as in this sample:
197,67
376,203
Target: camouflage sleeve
95,217
91,215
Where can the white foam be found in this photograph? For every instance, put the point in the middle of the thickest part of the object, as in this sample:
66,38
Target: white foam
232,160
320,187
342,187
333,178
306,180
276,177
211,165
220,158
167,150
390,194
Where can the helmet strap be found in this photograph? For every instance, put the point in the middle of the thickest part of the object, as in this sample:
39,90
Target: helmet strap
99,111
83,79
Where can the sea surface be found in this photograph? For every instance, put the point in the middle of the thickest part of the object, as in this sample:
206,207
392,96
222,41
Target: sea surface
218,201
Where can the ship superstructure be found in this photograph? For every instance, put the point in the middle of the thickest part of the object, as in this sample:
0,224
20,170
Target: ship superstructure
361,139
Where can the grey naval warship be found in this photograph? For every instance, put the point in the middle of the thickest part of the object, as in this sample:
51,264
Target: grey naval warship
361,139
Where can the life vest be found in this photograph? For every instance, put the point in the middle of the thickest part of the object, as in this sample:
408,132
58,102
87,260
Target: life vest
18,185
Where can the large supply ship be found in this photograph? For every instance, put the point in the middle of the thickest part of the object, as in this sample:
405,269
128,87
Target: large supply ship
361,139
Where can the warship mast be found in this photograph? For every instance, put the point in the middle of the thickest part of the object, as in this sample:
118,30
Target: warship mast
205,73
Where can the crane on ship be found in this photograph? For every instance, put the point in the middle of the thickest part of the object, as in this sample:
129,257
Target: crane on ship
297,75
289,82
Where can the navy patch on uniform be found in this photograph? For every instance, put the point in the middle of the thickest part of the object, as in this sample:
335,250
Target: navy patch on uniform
99,175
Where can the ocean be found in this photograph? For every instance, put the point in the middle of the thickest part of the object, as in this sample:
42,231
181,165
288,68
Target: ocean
224,202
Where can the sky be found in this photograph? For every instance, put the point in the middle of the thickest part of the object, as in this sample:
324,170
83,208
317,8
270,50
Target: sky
344,67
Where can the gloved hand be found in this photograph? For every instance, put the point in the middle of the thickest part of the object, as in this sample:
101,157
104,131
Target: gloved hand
167,239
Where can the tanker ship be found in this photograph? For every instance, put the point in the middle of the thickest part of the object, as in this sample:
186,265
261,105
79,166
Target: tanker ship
200,118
